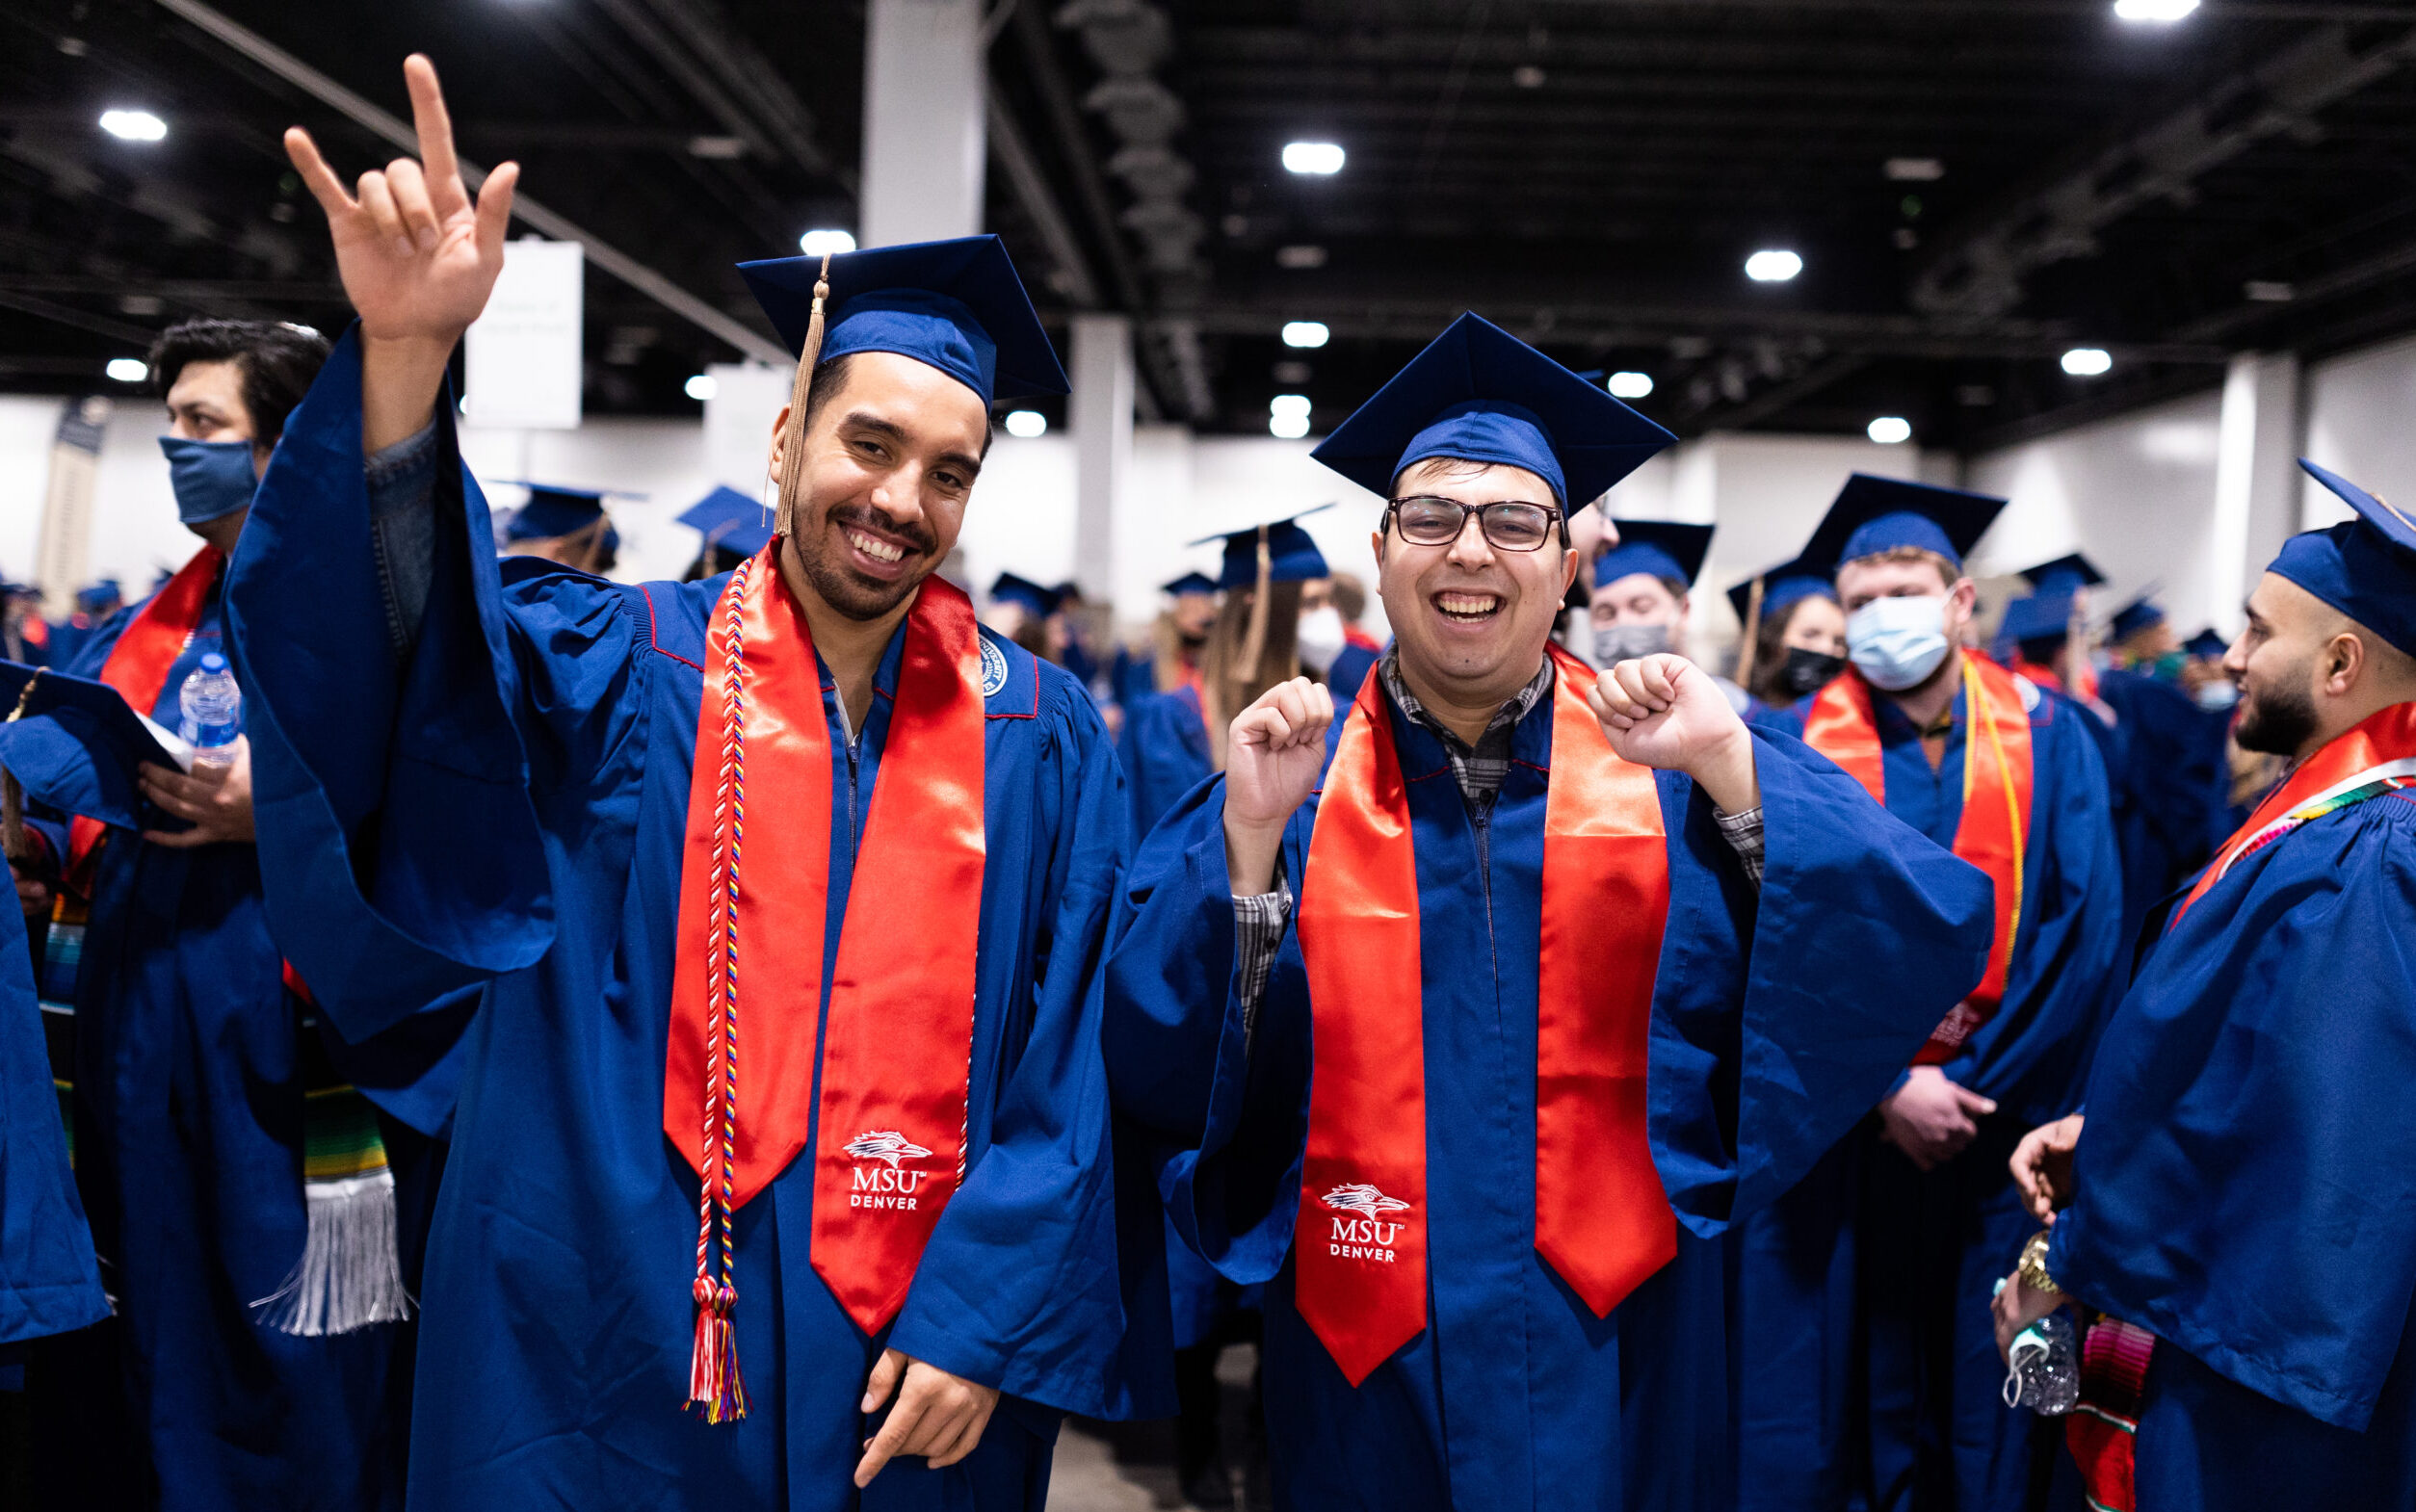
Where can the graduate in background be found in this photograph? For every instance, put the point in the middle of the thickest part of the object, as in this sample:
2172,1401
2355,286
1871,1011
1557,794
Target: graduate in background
1172,742
1868,1373
1359,650
565,526
2239,1201
894,1217
1026,613
242,1183
24,634
734,528
94,605
1795,635
1572,1015
2167,815
1641,594
1176,637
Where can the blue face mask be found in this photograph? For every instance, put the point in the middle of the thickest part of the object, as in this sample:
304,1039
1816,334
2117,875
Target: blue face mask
1898,641
212,479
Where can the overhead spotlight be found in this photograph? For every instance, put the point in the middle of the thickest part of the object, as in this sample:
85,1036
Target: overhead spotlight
1629,385
1288,405
133,125
829,240
1288,416
1027,424
716,149
2087,362
1312,157
1890,431
128,370
1527,76
1305,334
1772,265
2153,10
702,387
1915,171
2269,291
1296,258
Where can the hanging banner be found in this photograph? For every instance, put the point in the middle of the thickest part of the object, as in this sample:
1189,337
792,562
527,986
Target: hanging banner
67,532
522,359
745,398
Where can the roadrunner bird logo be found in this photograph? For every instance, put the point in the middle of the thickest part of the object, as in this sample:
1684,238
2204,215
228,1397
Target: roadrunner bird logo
888,1144
1364,1200
1364,1235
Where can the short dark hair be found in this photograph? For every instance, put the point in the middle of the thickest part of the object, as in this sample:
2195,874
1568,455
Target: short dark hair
277,361
830,375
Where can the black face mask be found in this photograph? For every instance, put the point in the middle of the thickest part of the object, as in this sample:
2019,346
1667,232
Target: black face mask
1809,671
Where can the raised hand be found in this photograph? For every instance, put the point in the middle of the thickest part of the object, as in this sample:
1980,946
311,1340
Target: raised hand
1275,755
1663,710
418,256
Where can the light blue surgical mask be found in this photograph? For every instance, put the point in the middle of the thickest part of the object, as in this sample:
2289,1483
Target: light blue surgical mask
2220,694
212,479
1898,641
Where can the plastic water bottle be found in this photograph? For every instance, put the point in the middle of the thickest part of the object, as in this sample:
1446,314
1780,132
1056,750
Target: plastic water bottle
2043,1367
209,707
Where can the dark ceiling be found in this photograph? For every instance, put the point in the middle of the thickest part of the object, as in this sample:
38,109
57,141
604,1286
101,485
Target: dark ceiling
1590,173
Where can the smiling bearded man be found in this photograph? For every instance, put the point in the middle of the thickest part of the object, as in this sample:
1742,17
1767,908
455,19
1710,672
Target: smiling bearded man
808,808
1582,962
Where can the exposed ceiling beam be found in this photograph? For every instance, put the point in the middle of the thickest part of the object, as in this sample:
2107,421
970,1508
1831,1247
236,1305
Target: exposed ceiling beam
81,320
621,265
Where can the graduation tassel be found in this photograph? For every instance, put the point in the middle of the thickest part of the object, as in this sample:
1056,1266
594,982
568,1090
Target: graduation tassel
793,447
12,840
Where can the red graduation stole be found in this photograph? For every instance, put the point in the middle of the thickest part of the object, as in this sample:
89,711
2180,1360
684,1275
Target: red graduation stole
1993,834
1602,1219
138,666
896,1053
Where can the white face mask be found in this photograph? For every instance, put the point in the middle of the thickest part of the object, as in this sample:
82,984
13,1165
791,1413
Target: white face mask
1616,644
1321,638
1898,641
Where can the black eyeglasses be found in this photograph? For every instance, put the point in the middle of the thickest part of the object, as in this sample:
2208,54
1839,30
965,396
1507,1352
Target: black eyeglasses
1514,525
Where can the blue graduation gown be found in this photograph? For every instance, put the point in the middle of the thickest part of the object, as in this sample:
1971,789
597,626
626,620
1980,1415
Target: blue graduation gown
1516,1395
1352,666
507,802
190,1070
2247,1180
1133,676
2165,788
1866,1353
1165,752
49,1283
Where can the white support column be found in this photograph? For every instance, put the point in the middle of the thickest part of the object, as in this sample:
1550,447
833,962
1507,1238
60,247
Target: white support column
924,138
1101,416
2256,479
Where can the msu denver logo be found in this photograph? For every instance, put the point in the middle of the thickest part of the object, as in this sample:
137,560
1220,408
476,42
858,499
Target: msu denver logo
993,670
880,1182
1365,1235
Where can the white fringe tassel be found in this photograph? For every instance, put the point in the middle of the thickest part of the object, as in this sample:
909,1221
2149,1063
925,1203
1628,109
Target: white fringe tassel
349,1276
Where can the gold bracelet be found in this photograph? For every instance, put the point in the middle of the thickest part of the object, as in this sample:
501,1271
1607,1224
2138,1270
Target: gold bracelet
2032,1269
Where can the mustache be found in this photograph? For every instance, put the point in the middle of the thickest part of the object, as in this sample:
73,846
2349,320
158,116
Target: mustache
871,519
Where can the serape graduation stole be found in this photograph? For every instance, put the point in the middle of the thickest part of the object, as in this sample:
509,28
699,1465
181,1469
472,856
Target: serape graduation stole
2102,1431
896,1053
1602,1219
1994,831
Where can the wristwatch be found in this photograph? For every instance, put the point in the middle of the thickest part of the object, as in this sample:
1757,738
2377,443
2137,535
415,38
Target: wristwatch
2032,1269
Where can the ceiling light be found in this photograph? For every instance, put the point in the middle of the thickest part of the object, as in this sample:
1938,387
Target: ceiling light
133,125
1890,431
129,370
829,240
1772,265
716,149
1289,405
1915,171
702,387
1527,76
1305,334
2269,291
2154,9
1629,385
1312,157
2087,361
1027,424
1289,372
1287,428
1299,257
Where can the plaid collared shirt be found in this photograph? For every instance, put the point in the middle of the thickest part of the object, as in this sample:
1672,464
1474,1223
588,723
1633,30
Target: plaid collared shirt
1481,766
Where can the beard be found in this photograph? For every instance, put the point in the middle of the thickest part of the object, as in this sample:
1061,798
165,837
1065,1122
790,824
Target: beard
821,553
2279,721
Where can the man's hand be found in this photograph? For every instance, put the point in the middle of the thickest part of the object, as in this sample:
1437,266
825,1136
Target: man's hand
1931,1120
1663,710
1272,759
32,893
216,798
2018,1306
938,1415
417,256
2042,1167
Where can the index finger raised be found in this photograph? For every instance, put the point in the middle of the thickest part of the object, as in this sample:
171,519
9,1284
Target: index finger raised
316,176
434,125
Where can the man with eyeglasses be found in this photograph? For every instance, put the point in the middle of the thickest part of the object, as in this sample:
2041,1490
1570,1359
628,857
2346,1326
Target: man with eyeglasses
1581,962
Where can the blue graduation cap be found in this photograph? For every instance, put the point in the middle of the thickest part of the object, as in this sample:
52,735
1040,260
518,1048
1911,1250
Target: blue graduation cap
730,521
93,597
1009,588
555,510
1291,557
956,305
2140,613
2041,618
2064,574
1871,516
77,743
2206,642
1189,583
2365,567
1480,394
1787,583
1665,548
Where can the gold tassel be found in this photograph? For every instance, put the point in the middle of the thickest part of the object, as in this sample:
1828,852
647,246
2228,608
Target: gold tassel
12,839
1752,634
1254,640
792,445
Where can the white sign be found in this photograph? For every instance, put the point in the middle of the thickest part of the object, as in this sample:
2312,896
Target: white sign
746,398
522,359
